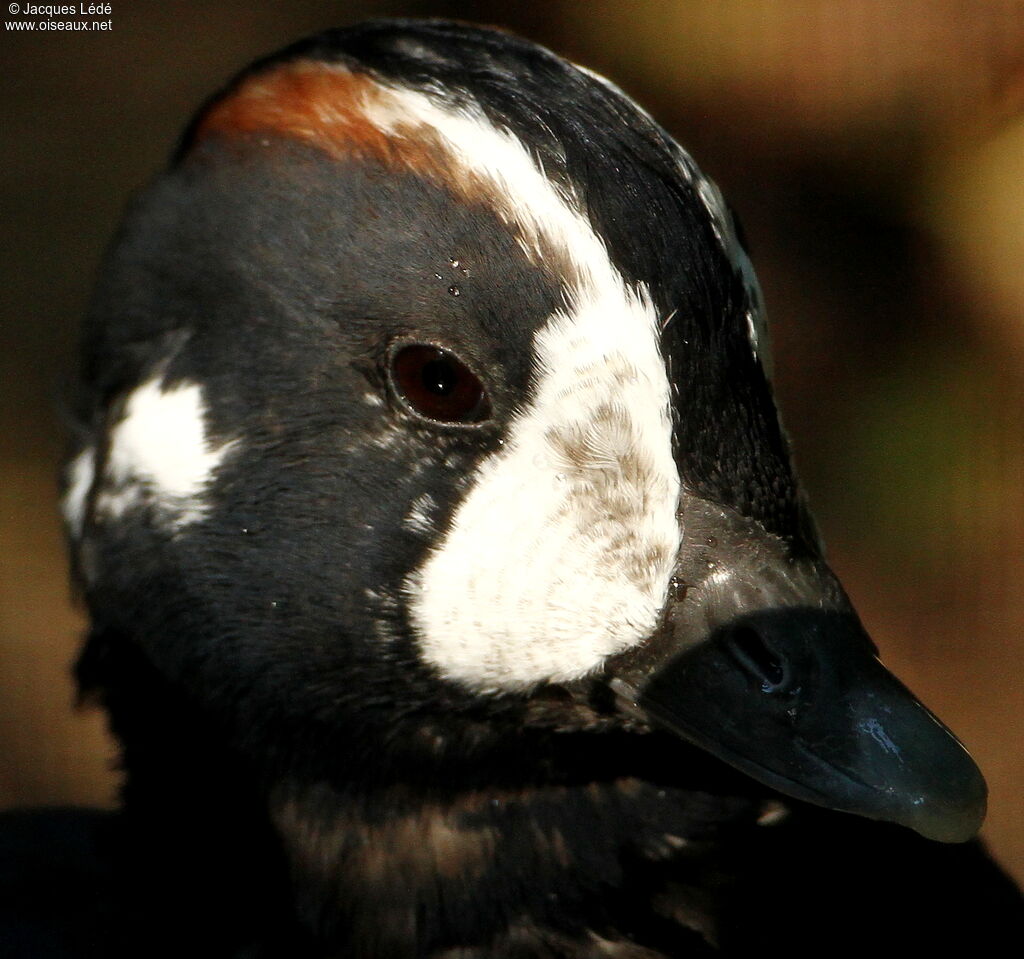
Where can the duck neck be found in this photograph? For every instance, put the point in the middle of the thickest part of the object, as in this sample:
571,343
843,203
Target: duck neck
392,873
578,846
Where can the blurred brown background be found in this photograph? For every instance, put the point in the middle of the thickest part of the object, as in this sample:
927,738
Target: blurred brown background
875,152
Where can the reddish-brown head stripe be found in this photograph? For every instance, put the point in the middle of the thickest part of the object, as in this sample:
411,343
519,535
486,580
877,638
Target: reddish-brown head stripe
323,105
348,114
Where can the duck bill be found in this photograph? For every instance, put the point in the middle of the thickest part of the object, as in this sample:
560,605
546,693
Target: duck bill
797,700
773,673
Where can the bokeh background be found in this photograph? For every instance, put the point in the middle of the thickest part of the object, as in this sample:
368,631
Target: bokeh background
875,153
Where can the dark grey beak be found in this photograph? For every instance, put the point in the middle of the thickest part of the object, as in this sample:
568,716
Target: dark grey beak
764,664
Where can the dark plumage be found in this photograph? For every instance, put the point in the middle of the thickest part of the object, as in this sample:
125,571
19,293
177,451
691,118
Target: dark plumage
440,541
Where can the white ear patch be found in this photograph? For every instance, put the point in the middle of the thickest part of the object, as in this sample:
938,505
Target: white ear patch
159,455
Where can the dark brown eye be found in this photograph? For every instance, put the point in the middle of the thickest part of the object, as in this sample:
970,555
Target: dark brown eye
436,384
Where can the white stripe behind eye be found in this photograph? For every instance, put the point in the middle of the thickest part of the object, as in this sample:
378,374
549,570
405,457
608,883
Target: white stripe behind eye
561,552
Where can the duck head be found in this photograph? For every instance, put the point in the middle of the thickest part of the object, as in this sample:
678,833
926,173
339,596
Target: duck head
431,378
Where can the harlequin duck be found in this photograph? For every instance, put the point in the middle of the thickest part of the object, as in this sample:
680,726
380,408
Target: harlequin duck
452,592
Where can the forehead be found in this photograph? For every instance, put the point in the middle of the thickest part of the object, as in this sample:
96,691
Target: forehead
498,121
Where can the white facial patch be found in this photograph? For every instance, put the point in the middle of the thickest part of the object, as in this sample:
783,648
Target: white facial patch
561,553
159,455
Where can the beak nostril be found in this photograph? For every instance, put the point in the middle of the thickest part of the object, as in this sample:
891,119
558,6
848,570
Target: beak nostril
755,656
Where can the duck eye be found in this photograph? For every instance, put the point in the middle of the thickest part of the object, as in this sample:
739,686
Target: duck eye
437,385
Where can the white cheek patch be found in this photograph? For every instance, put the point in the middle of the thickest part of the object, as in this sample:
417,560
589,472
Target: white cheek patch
561,553
159,455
